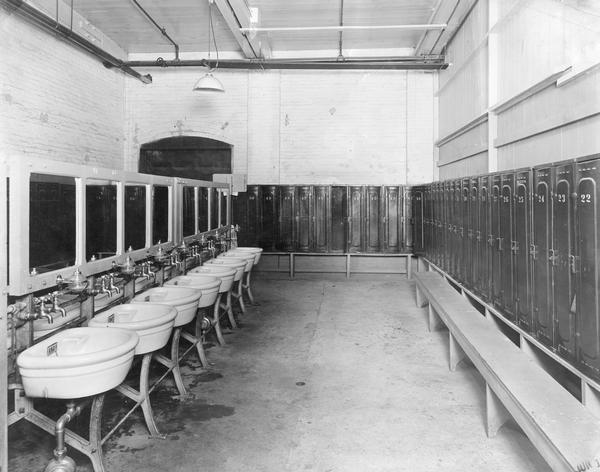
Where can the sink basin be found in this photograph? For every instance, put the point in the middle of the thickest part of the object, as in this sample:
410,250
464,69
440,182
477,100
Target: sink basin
249,258
184,299
208,285
153,323
238,264
225,273
77,362
257,251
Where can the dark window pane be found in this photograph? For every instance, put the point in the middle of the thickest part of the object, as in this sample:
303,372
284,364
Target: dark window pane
51,222
135,217
101,221
160,216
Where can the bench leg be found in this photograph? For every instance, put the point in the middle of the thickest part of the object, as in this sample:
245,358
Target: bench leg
421,301
456,352
434,320
496,413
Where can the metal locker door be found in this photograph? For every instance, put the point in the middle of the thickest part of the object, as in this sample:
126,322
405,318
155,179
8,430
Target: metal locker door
401,220
253,230
287,218
426,233
450,226
373,218
355,219
505,239
304,220
563,251
484,237
473,229
417,219
408,219
320,218
541,233
435,241
339,219
391,219
458,231
446,226
466,230
520,250
269,211
586,266
495,222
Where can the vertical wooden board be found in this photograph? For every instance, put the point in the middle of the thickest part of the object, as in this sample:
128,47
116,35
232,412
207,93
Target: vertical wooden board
540,251
563,241
321,212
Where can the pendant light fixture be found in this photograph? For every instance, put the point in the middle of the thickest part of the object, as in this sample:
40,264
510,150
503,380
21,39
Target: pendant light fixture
208,82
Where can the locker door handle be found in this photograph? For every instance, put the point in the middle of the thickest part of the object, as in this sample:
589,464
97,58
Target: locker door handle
533,251
478,236
553,256
500,241
514,246
574,263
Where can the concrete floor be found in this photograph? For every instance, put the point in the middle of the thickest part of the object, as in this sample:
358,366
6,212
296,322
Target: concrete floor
326,374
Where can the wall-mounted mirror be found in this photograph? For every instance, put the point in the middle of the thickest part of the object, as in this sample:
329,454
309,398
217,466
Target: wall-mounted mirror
52,222
214,208
135,216
203,209
223,207
101,219
189,211
160,214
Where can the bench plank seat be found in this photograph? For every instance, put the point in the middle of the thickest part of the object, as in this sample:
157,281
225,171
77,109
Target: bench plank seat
565,433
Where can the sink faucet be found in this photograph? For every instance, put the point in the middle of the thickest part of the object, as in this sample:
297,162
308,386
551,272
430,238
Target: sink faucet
103,287
111,284
56,308
46,313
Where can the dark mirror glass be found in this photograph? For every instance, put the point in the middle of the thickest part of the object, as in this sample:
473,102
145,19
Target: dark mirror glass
135,216
214,208
52,224
223,207
203,209
189,211
101,219
160,216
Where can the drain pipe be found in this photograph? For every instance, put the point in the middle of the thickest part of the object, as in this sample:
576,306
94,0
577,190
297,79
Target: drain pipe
62,462
160,28
49,24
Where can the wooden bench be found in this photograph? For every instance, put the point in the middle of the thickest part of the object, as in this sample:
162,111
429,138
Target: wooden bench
565,433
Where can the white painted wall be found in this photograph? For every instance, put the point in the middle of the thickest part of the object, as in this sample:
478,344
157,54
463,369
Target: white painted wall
57,102
292,127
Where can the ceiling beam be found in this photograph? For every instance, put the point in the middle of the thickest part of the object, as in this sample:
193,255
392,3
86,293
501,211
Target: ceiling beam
440,26
237,15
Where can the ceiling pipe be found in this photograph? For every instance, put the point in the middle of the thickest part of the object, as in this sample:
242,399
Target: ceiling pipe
49,24
413,63
424,35
160,28
438,26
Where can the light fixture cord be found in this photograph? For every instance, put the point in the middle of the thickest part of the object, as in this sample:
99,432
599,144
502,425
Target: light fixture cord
212,31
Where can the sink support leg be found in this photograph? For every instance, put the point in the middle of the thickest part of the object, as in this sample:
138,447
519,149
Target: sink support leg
249,288
200,337
216,323
175,360
145,396
229,309
240,294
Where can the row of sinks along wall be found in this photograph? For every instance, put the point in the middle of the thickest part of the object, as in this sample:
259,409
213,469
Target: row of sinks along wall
86,361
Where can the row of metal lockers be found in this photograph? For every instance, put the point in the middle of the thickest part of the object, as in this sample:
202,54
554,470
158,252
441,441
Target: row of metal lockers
322,218
527,242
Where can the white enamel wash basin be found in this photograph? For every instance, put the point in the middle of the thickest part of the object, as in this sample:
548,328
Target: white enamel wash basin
225,273
257,251
152,322
77,362
238,264
249,258
184,299
208,286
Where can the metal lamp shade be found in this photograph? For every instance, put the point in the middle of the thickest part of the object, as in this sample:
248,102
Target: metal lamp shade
208,83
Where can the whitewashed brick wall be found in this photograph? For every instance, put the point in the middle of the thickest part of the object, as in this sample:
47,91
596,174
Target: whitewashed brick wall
290,127
57,102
